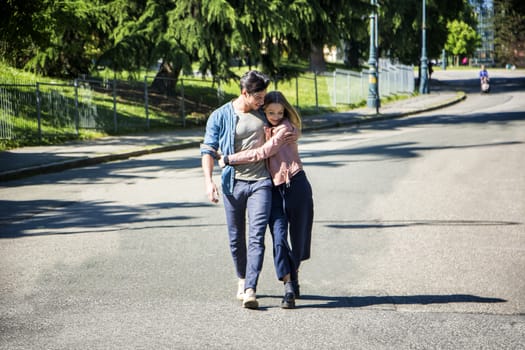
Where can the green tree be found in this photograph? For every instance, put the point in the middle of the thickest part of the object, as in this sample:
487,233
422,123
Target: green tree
462,39
141,38
18,34
66,37
320,23
400,26
509,26
213,33
61,37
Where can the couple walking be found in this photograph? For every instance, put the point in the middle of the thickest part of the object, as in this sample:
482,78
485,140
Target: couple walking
263,179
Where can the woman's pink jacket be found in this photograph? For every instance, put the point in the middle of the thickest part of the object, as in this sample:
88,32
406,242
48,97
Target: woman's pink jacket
282,158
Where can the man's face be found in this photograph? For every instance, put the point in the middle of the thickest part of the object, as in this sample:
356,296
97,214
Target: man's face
255,100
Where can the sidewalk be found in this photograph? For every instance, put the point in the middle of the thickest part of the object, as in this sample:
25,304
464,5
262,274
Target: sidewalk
30,161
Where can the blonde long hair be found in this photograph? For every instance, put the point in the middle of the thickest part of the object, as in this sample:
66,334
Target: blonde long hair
289,111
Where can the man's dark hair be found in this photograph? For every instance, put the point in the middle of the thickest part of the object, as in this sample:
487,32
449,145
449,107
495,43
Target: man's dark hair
254,81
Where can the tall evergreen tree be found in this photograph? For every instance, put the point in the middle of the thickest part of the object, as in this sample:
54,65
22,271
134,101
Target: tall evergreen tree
18,32
63,39
509,25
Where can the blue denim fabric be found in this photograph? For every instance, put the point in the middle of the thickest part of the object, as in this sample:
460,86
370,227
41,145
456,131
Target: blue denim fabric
282,252
253,198
291,223
220,135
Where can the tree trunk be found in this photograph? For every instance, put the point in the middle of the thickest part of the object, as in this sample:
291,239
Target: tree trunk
352,54
317,63
166,79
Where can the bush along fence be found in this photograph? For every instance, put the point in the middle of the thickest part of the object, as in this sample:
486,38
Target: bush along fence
45,109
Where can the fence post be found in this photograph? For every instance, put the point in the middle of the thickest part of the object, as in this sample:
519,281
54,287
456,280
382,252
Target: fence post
316,96
115,104
182,105
38,112
146,100
349,88
297,92
335,87
77,121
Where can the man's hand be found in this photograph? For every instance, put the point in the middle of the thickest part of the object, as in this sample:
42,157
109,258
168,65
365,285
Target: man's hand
211,189
221,162
212,192
291,137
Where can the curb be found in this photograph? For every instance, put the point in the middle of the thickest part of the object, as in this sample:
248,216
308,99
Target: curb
81,162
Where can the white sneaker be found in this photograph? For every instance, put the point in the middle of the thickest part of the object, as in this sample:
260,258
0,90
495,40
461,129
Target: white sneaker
250,300
240,289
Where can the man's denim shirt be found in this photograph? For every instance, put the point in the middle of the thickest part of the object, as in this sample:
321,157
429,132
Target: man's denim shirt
220,135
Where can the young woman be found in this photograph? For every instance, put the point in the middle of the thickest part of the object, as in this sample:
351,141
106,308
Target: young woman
292,202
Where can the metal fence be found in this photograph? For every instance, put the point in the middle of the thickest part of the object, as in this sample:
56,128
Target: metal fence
349,87
117,106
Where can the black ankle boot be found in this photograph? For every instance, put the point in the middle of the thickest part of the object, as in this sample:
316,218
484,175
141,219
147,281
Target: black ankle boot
288,301
289,296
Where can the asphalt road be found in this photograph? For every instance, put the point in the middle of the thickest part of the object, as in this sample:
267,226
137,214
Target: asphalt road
419,242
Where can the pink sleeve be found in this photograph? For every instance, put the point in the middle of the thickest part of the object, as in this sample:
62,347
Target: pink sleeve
267,150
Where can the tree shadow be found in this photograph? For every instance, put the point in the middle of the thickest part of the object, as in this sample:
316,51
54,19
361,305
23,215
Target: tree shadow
400,150
51,217
497,85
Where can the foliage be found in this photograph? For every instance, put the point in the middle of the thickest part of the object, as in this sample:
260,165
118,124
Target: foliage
63,38
71,37
462,39
509,25
317,23
18,33
400,26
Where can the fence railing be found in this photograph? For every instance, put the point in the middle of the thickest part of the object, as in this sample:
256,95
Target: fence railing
116,106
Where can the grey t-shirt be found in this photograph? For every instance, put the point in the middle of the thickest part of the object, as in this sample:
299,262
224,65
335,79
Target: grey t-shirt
249,134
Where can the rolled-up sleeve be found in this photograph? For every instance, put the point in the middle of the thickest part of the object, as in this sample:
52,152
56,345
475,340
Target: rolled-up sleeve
210,144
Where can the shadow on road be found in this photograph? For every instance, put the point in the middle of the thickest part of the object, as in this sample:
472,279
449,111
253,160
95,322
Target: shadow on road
364,224
497,85
384,151
20,218
364,301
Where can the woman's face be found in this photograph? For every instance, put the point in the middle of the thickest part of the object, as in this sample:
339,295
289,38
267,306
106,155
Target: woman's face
274,113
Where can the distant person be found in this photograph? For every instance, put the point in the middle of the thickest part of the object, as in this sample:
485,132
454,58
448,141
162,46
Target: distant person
246,189
483,73
484,79
292,201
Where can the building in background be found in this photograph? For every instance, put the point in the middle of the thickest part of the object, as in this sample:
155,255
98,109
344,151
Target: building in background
484,10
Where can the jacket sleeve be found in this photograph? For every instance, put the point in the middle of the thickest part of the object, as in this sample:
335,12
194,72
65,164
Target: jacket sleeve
267,150
210,145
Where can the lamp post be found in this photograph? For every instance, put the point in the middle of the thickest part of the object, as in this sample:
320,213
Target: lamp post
373,93
423,81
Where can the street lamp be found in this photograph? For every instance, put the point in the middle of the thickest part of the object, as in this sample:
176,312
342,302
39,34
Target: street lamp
423,79
373,93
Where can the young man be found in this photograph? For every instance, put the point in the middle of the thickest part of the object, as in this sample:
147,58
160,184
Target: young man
247,189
